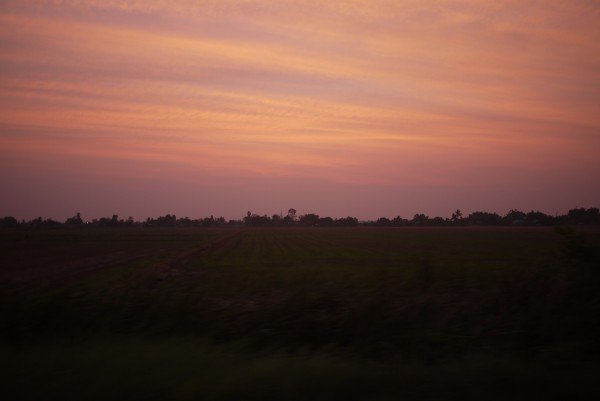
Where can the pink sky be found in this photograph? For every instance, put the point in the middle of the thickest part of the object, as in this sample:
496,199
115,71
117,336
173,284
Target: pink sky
361,108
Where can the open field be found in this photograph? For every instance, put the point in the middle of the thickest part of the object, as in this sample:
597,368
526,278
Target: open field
301,313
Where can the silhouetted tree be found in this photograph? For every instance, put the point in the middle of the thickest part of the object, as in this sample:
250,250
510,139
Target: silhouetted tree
253,220
438,221
399,221
74,221
583,216
309,219
346,221
383,222
290,218
167,220
574,216
114,221
420,220
276,220
514,217
457,216
208,221
325,221
484,219
538,218
9,222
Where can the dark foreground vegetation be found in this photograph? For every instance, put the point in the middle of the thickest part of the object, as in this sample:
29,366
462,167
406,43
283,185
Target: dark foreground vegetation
243,313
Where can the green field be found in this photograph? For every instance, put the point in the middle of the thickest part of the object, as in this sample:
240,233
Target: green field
300,313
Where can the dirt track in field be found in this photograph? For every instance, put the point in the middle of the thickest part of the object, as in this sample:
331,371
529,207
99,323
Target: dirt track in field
71,270
171,266
48,270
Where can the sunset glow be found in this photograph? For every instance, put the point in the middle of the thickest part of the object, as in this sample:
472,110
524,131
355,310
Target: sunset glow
361,108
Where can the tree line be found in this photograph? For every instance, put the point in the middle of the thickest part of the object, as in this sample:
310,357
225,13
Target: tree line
512,218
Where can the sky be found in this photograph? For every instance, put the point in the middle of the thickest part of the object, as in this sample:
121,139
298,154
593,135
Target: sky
362,107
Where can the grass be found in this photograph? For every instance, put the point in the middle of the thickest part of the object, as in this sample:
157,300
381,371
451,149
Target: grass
185,369
287,313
